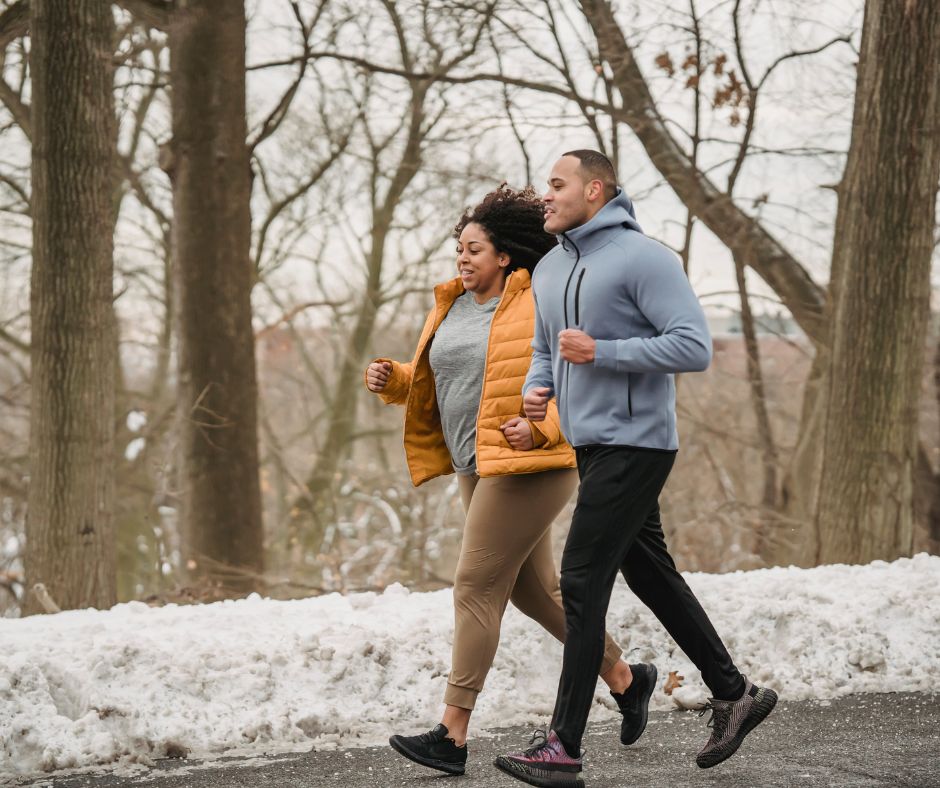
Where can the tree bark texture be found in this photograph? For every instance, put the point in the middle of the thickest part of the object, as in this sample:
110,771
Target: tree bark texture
209,165
70,540
882,256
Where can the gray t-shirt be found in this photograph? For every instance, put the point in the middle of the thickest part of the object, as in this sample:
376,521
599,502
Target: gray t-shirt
458,361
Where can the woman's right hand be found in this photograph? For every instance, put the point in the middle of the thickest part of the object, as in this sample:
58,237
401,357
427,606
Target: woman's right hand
377,375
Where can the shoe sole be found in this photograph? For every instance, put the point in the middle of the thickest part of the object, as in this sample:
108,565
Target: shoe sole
758,714
514,769
431,763
646,708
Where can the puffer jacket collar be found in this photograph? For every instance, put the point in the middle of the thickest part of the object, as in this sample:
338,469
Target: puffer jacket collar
447,292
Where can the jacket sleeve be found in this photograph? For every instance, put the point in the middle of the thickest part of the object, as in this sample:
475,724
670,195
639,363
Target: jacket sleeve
664,296
399,382
547,434
540,366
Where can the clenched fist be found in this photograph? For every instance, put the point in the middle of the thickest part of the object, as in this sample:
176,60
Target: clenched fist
518,433
575,346
377,375
535,403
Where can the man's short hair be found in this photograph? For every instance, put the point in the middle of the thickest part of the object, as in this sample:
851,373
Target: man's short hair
595,166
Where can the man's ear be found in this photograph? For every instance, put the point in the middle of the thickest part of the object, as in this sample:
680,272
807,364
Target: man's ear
595,190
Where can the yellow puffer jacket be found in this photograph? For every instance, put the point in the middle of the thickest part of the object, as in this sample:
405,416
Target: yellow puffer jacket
507,362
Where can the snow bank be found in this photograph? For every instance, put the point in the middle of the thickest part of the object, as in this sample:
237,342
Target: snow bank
85,688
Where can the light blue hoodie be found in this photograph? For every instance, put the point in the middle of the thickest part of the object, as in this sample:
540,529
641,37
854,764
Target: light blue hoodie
629,293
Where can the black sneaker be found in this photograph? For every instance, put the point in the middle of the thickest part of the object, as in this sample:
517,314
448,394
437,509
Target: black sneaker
634,704
732,720
432,749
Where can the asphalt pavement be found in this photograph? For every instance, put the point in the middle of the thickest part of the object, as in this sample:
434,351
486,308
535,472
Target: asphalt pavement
862,740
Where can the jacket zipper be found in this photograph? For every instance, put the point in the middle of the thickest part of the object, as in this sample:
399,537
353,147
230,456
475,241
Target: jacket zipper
486,359
629,397
577,299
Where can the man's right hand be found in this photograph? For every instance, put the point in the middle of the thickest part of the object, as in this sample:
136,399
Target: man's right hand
535,403
377,375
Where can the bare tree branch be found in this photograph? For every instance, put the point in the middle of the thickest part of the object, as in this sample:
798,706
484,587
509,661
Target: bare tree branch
16,342
742,234
14,22
153,13
18,108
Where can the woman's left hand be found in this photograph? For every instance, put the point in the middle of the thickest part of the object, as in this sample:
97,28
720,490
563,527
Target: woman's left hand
518,433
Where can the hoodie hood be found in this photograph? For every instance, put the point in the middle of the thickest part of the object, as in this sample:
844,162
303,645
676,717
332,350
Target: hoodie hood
605,224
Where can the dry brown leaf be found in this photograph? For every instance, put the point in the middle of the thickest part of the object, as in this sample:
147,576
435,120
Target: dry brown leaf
673,682
664,62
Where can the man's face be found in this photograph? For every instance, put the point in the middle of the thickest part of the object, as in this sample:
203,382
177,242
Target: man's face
566,201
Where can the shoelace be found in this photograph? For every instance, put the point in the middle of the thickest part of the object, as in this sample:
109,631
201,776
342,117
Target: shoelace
719,719
431,737
538,741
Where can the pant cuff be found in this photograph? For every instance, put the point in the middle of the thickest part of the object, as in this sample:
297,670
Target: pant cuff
461,697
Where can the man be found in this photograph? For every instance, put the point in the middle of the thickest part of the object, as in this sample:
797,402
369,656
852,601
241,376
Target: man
615,319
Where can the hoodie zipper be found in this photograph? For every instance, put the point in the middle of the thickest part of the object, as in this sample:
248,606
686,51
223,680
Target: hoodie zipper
577,259
577,299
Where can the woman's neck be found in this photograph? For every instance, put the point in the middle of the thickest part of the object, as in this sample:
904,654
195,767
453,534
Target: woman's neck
482,296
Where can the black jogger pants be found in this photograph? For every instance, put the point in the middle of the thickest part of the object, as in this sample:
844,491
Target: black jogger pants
616,526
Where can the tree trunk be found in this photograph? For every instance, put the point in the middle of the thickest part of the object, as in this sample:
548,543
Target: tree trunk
884,242
70,540
209,166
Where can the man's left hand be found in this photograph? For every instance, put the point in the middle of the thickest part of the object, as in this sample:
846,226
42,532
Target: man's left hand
518,434
575,346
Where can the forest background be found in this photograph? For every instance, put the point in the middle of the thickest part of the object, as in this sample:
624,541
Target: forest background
213,216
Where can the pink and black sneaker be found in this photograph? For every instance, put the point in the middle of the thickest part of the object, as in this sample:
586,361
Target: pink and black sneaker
545,763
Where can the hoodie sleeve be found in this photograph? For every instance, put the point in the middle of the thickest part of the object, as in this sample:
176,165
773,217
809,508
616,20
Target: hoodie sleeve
664,296
540,367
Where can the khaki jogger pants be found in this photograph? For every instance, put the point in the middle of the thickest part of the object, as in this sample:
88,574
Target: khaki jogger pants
506,554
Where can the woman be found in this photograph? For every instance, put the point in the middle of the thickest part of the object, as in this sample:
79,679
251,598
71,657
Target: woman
462,396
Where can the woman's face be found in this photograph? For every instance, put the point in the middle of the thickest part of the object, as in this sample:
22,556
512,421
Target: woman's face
482,269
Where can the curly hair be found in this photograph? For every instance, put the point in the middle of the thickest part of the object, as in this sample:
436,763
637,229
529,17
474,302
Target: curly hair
512,219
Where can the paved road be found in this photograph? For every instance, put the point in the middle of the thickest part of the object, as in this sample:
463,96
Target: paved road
864,740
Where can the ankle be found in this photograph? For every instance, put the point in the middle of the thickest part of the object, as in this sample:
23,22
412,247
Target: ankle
459,737
618,678
457,721
572,752
734,695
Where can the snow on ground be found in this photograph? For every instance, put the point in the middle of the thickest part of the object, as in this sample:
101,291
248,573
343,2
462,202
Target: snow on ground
130,684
